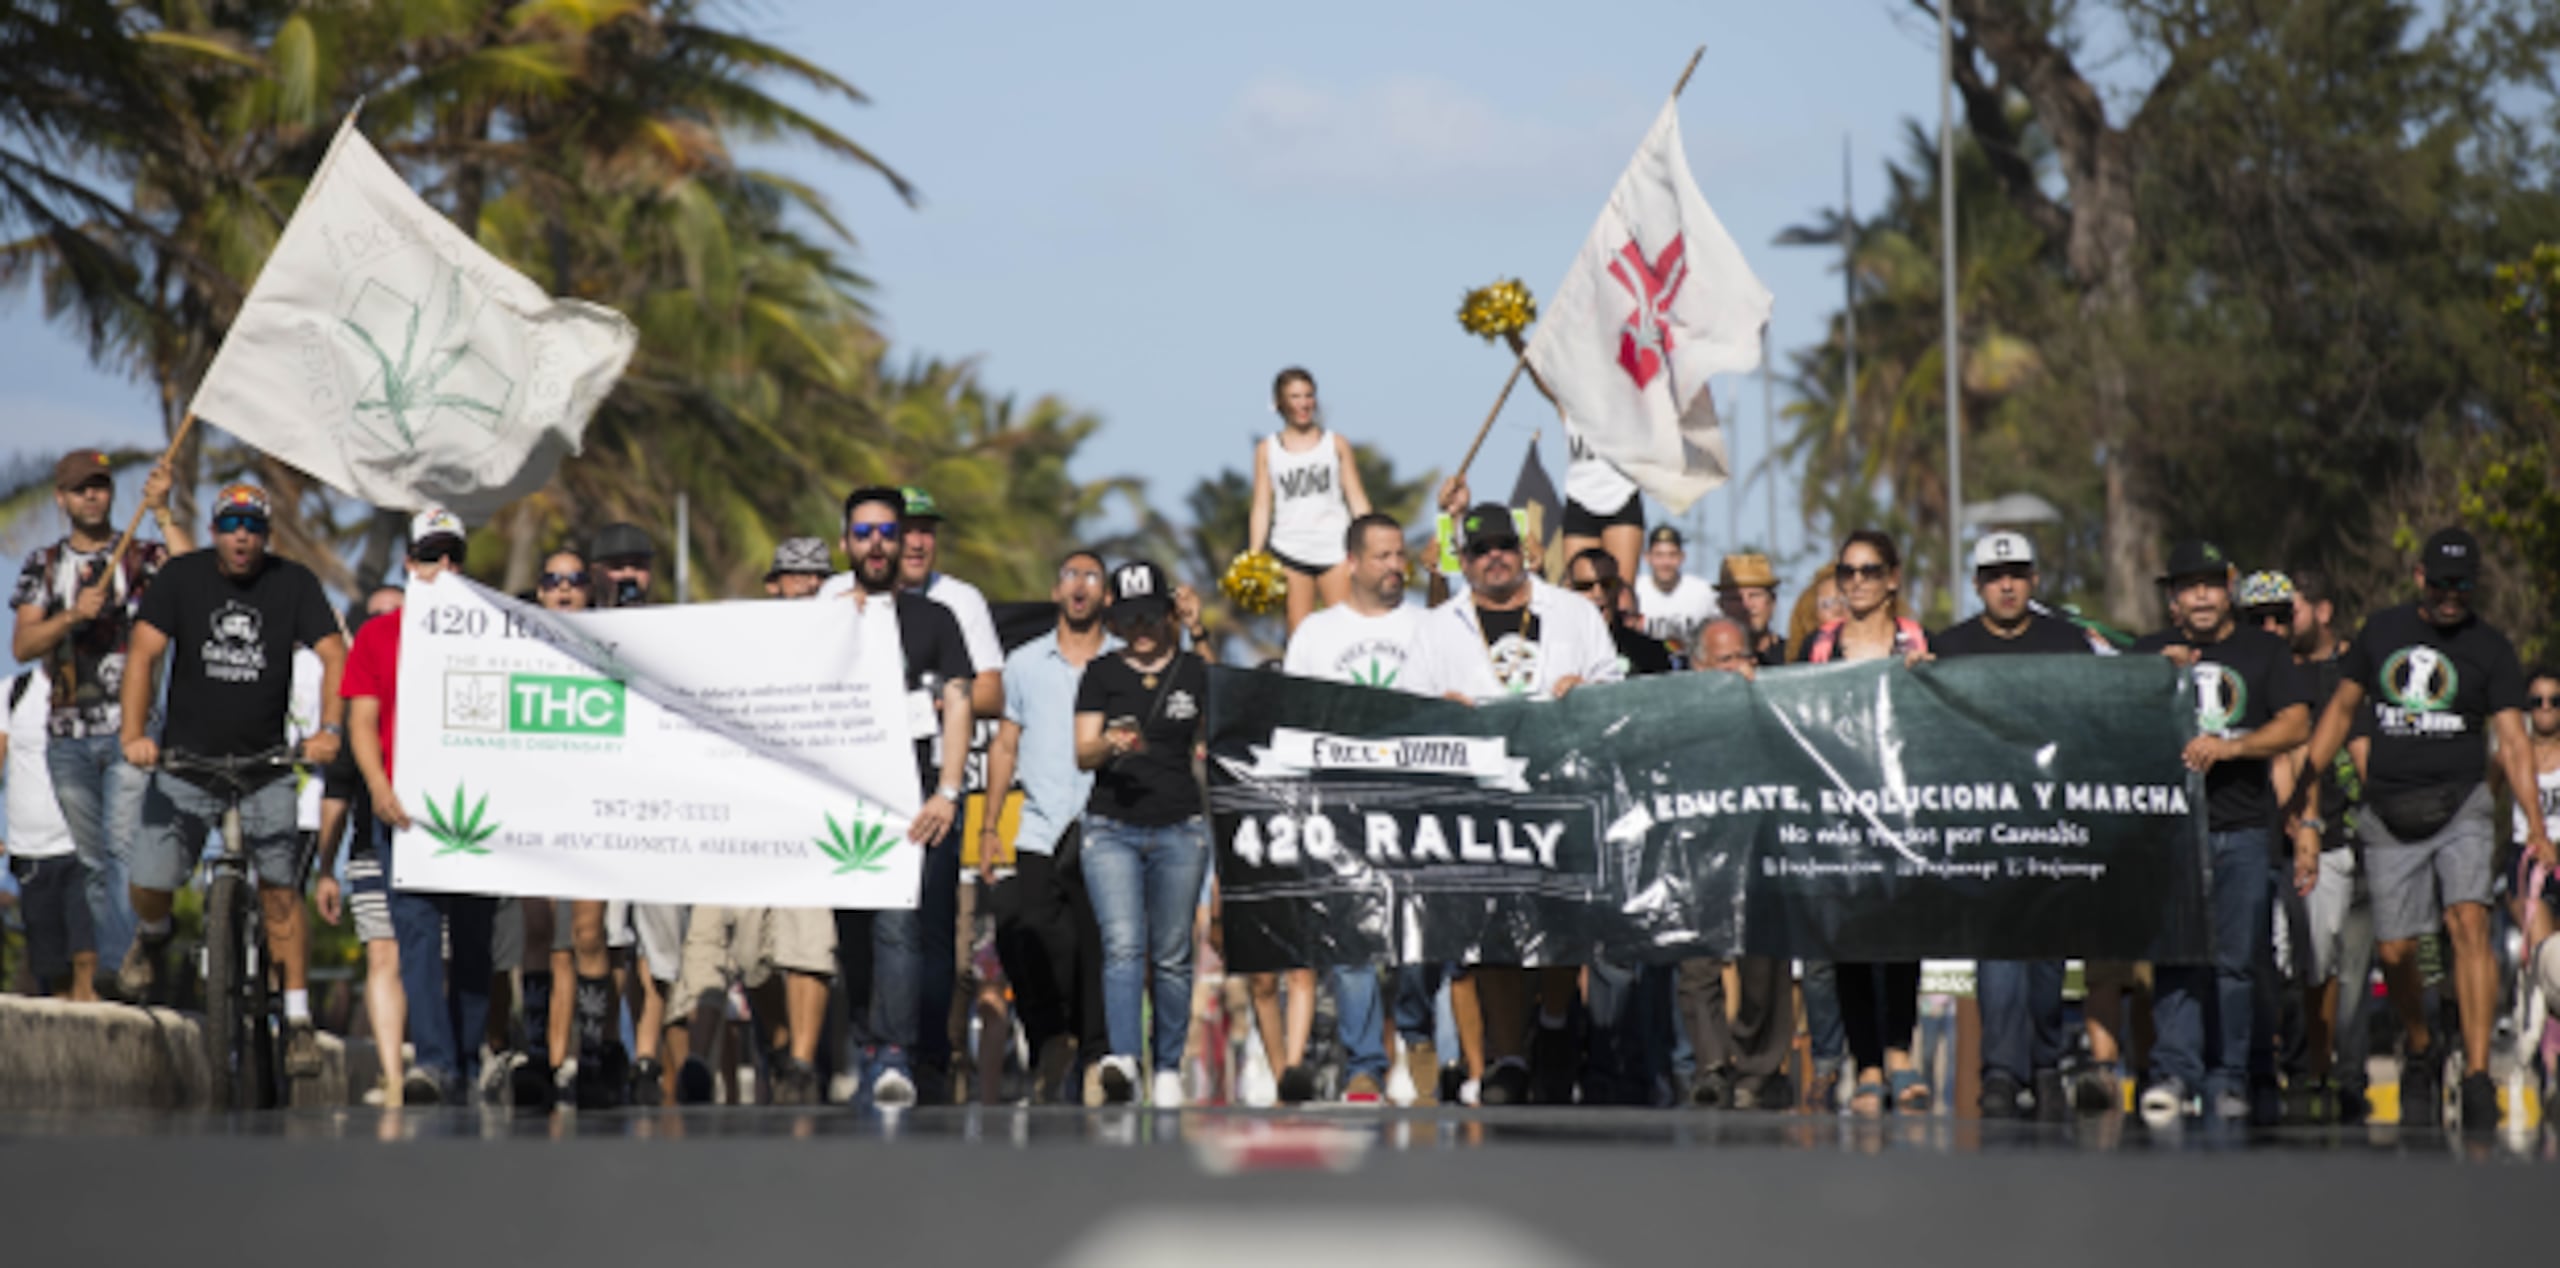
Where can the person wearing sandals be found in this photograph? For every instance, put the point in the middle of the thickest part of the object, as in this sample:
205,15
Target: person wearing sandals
1879,1003
1306,492
1146,844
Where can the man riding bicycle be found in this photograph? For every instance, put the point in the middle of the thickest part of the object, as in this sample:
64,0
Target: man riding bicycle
234,615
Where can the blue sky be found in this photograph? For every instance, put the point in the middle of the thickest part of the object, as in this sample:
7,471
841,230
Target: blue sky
1149,208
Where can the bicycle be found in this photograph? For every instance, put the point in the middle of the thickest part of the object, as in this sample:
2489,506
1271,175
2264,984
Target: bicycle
241,1009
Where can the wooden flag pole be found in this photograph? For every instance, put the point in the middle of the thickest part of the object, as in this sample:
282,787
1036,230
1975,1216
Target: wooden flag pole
134,525
1521,363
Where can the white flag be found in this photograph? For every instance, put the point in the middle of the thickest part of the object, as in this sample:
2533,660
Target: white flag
1659,299
388,355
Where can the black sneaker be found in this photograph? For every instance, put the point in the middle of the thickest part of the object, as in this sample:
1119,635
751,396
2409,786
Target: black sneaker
1768,1092
648,1083
1298,1084
301,1049
2353,1105
795,1082
2422,1089
1554,1066
420,1088
2000,1091
2053,1103
694,1084
1505,1084
2479,1102
1712,1090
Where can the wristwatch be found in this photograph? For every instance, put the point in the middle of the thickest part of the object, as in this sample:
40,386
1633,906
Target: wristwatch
2318,826
948,793
338,729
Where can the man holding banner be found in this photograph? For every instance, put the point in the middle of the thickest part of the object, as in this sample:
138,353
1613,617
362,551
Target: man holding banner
1513,638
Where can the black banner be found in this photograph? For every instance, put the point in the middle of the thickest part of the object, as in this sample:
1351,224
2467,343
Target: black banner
2013,807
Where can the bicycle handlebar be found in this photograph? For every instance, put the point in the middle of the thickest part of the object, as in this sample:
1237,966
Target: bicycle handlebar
234,771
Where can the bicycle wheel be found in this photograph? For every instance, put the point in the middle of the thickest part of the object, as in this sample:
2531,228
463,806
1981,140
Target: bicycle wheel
226,917
258,1066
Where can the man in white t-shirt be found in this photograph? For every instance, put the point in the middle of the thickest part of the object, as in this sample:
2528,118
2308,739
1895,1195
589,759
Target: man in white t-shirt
53,884
1674,604
1363,640
1514,636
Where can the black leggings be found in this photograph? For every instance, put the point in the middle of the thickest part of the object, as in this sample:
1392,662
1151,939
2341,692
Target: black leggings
1880,1008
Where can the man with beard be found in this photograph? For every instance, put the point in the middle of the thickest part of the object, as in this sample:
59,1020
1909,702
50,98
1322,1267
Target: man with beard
1593,574
938,677
1674,603
1747,591
1513,637
76,619
1046,936
231,616
2021,999
2252,705
2336,943
2441,683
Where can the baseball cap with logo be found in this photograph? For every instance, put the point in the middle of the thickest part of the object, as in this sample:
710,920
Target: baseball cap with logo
2196,558
79,467
2004,548
918,504
435,521
240,499
2265,590
1666,533
1140,590
1488,523
800,554
2451,555
1747,571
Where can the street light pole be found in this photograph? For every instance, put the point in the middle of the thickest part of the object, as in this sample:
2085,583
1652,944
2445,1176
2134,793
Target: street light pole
1947,279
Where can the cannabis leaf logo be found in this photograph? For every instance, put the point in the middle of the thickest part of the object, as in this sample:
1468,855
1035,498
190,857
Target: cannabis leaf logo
860,849
415,369
1374,674
461,831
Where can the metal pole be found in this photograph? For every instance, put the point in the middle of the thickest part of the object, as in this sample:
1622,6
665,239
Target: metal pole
684,554
1769,450
1947,271
1849,277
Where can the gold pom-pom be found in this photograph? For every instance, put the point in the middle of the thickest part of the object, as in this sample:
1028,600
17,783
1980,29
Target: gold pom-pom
1503,308
1255,582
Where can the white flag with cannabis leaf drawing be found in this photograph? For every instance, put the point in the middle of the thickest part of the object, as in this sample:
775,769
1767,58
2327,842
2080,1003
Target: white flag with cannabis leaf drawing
603,755
391,357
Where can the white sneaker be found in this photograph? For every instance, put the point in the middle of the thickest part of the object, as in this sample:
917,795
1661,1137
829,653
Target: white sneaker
1255,1087
1167,1092
893,1090
1471,1092
1400,1089
1119,1080
2164,1104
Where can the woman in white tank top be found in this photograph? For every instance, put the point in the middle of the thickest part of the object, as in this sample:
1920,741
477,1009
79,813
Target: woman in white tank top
2534,912
1306,491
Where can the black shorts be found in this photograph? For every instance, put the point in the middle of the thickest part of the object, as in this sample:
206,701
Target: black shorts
53,899
1580,521
1302,569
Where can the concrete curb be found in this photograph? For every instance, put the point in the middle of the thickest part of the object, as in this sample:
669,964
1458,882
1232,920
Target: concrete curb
56,1055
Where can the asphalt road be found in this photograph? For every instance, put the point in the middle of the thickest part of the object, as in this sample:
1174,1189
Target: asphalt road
1133,1188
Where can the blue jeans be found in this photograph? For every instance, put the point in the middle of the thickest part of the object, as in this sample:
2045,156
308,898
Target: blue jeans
101,798
1625,1049
2021,1016
1145,886
914,963
1417,1001
1362,1020
2202,1013
445,1012
1824,1030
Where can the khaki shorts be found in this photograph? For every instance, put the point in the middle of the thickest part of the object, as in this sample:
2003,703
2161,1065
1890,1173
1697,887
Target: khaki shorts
752,942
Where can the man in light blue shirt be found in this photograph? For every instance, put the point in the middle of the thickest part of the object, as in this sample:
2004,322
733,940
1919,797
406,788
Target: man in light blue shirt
1045,931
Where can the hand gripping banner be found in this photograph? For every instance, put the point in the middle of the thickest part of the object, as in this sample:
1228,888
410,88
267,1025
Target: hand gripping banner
2017,807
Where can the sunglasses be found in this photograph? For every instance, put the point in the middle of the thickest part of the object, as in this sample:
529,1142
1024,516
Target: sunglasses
870,532
2542,702
564,580
2003,572
2453,585
240,522
437,554
1864,572
1482,547
1585,587
1079,576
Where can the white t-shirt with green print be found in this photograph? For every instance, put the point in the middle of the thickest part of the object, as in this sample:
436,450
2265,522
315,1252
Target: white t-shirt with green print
1340,644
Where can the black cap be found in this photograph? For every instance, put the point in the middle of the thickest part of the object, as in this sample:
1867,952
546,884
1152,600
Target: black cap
621,541
1666,533
1140,590
2196,558
1487,522
2451,555
894,499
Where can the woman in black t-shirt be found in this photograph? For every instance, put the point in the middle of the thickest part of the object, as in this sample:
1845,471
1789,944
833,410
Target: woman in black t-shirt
1146,847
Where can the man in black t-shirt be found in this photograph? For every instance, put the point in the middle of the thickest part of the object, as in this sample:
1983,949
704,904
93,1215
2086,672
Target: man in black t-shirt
938,677
2441,682
2252,704
1593,574
2021,1000
231,615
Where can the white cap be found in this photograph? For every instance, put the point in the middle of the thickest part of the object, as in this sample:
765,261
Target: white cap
2004,548
435,521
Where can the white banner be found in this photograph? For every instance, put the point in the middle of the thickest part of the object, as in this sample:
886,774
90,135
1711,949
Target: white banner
1295,753
388,354
753,754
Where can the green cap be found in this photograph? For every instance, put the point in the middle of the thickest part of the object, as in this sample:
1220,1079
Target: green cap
920,504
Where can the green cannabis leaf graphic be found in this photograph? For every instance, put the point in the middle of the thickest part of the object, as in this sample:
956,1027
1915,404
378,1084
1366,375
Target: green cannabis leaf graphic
859,850
461,831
